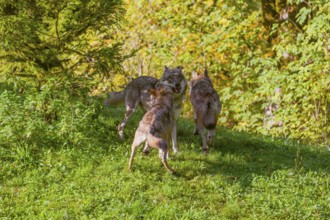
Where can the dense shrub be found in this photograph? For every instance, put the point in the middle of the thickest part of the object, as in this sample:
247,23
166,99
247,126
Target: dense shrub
255,60
47,118
52,53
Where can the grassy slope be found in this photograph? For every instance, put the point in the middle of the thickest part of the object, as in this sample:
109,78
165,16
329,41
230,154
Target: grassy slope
243,176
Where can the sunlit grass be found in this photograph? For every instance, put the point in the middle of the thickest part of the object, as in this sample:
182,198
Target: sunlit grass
243,176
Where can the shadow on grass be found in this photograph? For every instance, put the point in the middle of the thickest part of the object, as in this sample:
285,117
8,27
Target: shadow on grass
241,156
238,156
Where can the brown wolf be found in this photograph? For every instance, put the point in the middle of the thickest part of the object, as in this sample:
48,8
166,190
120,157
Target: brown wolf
206,106
157,123
137,94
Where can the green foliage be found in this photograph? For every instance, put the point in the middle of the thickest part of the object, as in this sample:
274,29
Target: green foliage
305,80
78,43
71,40
52,54
52,117
246,61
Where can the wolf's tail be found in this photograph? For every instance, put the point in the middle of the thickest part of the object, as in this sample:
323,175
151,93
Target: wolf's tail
115,98
210,120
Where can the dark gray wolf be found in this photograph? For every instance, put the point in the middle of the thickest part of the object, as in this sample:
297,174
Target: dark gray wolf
137,94
157,123
206,106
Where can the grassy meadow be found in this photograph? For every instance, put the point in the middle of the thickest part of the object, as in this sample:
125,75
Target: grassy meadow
243,177
61,156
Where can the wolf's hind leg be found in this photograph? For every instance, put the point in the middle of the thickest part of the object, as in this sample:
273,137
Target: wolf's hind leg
195,124
202,131
162,146
139,138
210,136
146,149
164,160
132,103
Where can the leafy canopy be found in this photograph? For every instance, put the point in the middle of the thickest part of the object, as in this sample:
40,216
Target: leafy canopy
65,38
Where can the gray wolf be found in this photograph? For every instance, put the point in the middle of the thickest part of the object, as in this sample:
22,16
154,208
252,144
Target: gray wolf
137,94
157,123
206,107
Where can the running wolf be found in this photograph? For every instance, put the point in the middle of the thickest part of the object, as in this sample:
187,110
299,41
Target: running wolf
156,125
137,94
206,106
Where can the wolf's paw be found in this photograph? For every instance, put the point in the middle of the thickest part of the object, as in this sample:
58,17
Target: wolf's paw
205,150
175,150
146,151
121,135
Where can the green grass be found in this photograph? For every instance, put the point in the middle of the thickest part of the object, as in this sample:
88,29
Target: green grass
243,176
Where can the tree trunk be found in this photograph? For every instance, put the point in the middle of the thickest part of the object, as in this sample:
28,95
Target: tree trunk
270,16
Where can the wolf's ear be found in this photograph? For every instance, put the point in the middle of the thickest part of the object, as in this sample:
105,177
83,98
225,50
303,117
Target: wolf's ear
194,74
152,91
180,67
165,68
206,73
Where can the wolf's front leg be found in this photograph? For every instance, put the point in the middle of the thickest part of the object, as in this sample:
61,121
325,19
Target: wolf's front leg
174,131
174,141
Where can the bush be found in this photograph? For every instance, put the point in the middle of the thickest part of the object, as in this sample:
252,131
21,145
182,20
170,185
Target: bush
47,118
